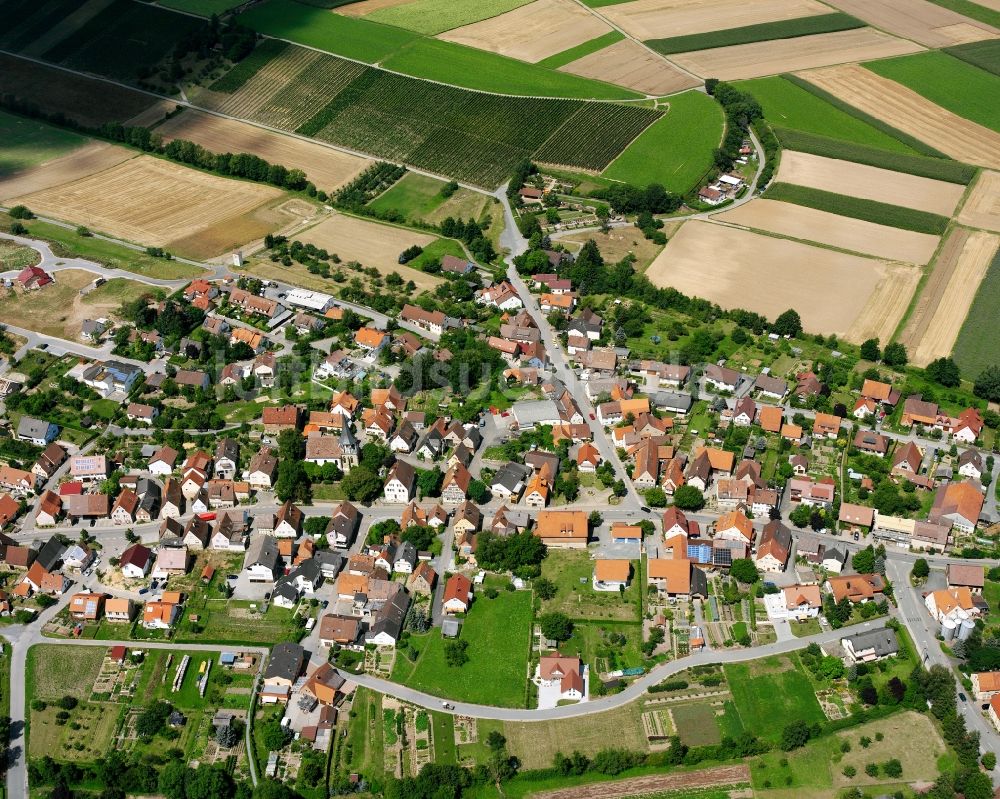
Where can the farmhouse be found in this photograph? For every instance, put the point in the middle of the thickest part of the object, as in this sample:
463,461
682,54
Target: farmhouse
562,529
676,577
958,504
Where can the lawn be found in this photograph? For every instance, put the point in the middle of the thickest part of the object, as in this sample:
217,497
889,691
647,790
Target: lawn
581,50
157,679
571,571
675,150
801,629
60,670
364,736
27,143
975,348
789,106
952,84
599,646
233,622
414,196
696,723
436,16
497,631
95,725
772,692
991,593
119,290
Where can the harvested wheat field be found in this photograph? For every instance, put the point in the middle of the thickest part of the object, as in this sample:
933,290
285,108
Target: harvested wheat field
869,182
919,20
327,168
534,31
740,269
368,6
785,55
151,201
157,112
629,64
843,232
944,303
660,19
92,157
982,208
886,306
906,110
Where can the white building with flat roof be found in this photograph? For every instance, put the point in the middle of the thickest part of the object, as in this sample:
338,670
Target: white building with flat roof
311,300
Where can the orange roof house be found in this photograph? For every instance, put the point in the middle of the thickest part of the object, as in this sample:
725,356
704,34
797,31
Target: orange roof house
563,528
611,571
856,587
770,418
734,525
370,338
720,460
826,424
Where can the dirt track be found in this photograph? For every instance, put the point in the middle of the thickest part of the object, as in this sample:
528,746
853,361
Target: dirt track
786,55
627,64
982,208
906,110
659,19
653,784
920,20
869,182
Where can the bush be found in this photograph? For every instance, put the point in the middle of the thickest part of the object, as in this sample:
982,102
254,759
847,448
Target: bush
989,761
38,705
871,769
20,212
68,702
893,768
850,771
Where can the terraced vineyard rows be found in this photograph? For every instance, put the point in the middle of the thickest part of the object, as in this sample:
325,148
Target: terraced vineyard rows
472,136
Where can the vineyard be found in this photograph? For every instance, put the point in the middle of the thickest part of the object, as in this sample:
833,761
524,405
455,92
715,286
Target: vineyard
472,136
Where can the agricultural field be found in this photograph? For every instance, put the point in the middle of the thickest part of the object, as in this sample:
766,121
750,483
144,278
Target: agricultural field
497,631
948,82
327,168
914,115
14,256
658,19
627,64
758,59
771,692
842,232
158,203
204,8
925,22
566,56
975,348
92,157
677,150
696,723
419,198
984,54
713,262
436,16
532,32
27,143
982,206
84,100
787,106
571,571
869,183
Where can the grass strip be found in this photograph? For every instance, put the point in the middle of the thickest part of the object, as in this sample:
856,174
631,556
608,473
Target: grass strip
762,32
973,10
910,141
857,208
984,54
934,168
581,50
249,66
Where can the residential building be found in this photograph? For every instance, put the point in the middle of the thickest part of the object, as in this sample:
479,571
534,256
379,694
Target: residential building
871,645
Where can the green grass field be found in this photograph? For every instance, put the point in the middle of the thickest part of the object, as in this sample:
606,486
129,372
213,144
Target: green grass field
696,723
204,8
984,54
973,10
586,48
975,348
27,143
436,250
497,631
436,16
789,106
857,208
955,85
763,32
772,692
414,196
676,150
571,571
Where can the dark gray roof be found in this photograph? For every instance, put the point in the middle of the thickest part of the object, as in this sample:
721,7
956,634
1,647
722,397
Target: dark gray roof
407,553
883,641
286,662
263,551
673,400
699,582
330,562
284,588
308,570
228,448
509,475
389,618
49,554
32,428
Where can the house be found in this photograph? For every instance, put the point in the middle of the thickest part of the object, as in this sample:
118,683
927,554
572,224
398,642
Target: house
871,645
162,463
370,340
88,506
770,418
339,630
677,577
137,412
813,493
562,529
907,458
192,378
89,468
624,533
49,461
110,377
797,602
457,594
405,560
262,470
918,411
287,417
38,431
288,521
968,426
422,580
170,560
871,443
307,576
265,369
262,562
429,321
958,504
568,673
856,515
858,588
720,378
33,277
864,408
456,266
135,562
456,484
970,464
508,482
588,458
744,412
611,574
386,624
229,532
173,499
774,547
676,523
343,525
966,575
400,484
125,507
734,526
284,667
163,613
468,517
826,425
118,610
47,513
86,606
771,387
404,439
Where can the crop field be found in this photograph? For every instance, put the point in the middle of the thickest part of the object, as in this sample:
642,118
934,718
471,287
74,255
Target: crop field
85,100
325,167
948,82
575,53
150,201
869,183
204,8
532,32
842,232
436,16
984,54
740,269
927,23
28,143
982,206
914,115
761,32
475,137
677,150
658,19
419,198
758,59
628,64
975,348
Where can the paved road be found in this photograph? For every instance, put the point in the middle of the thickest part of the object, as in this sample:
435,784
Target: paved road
60,346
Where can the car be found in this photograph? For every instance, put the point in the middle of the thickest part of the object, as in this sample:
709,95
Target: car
963,697
447,706
593,418
482,422
143,591
326,603
857,536
233,578
43,346
644,508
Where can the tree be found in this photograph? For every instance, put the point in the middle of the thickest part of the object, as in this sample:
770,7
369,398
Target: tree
871,769
152,720
455,653
870,350
850,771
788,324
989,761
801,516
987,385
920,569
545,588
361,484
274,736
229,735
656,497
895,355
864,561
556,626
944,371
171,780
429,482
688,497
794,735
477,491
744,570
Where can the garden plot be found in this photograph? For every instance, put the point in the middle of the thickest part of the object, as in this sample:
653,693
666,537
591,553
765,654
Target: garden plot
628,64
15,256
982,207
869,182
922,21
534,31
907,111
845,233
657,19
804,52
740,269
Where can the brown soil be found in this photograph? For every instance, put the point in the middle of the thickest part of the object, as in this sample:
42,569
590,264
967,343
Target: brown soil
919,20
658,19
982,207
633,66
655,783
